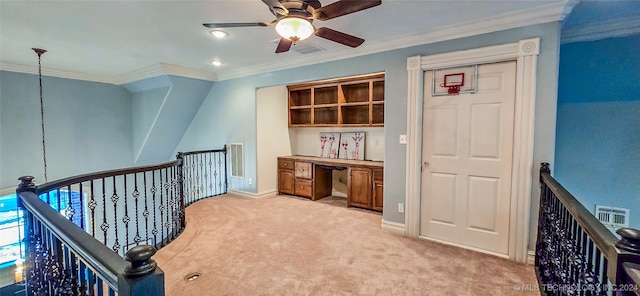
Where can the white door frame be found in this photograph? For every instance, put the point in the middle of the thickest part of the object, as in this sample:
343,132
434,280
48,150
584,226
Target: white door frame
525,53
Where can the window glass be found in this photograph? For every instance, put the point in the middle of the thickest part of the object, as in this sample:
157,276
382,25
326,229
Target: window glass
12,222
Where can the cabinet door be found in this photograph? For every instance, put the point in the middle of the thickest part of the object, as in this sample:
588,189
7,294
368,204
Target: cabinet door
378,189
360,187
378,195
285,182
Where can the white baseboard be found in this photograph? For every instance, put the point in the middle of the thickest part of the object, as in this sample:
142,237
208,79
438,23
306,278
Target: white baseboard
252,194
398,228
531,257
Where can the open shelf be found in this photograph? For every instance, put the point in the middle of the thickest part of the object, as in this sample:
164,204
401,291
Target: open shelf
300,97
326,115
340,102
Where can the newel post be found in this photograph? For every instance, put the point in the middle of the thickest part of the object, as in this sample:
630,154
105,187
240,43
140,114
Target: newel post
627,261
142,276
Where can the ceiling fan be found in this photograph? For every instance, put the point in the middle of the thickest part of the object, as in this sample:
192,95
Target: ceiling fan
294,20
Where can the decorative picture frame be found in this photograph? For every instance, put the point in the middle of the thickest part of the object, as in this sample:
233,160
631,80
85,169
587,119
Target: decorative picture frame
352,146
329,145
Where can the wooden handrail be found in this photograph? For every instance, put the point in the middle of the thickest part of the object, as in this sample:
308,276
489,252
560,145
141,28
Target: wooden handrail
106,263
46,187
202,151
601,236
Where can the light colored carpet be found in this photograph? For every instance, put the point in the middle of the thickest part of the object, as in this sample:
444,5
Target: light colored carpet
285,245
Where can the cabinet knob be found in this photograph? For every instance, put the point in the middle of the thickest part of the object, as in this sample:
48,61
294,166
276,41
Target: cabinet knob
302,187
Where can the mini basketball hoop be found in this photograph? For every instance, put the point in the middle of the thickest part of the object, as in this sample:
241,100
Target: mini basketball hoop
453,82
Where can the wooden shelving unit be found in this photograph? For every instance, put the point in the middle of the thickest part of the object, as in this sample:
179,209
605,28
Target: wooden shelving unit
342,102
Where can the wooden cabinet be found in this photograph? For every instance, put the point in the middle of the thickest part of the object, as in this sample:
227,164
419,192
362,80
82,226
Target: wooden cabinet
345,102
378,190
310,177
303,179
286,179
365,188
359,187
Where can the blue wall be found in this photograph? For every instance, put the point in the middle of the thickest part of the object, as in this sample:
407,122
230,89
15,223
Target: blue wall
598,125
228,114
88,127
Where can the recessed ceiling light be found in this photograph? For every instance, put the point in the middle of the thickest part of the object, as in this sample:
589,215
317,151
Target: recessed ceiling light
216,63
219,33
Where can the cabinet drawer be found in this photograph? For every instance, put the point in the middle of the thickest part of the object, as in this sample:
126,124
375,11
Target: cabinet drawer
285,164
378,174
303,170
303,187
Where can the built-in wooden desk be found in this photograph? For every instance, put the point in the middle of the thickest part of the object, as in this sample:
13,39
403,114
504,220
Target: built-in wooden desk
310,177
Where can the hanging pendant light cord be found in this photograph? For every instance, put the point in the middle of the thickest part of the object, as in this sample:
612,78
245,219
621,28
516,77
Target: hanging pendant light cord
44,147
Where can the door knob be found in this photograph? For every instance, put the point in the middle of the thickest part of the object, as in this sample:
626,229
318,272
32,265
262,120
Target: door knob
425,164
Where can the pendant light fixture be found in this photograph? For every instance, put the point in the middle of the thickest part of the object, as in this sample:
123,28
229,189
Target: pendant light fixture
40,52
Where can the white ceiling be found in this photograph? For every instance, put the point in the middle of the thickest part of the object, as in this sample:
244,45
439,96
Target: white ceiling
103,40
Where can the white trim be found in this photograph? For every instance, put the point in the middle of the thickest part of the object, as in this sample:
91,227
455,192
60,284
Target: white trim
525,53
616,27
394,227
527,17
248,194
465,247
538,15
136,75
531,257
164,69
30,69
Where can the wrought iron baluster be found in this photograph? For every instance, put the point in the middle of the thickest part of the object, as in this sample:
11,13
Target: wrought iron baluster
104,226
161,208
114,200
92,206
153,196
126,217
136,195
167,203
145,214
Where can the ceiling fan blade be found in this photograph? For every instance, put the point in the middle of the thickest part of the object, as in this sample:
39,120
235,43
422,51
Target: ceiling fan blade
284,45
233,25
343,7
276,7
339,37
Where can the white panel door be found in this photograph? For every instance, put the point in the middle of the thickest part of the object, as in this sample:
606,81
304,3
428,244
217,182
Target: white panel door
467,154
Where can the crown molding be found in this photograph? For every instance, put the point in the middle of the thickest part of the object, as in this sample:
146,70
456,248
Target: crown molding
143,73
602,30
164,69
539,15
28,69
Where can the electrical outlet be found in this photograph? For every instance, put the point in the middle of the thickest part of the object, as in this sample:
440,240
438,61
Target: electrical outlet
250,181
403,139
400,207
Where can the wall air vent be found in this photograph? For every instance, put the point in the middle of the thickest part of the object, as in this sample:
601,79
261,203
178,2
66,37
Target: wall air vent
612,218
236,156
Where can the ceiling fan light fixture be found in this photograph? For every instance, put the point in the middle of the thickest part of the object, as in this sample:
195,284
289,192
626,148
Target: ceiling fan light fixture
294,28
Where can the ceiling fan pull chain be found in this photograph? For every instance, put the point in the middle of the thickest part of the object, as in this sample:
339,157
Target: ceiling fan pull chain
39,52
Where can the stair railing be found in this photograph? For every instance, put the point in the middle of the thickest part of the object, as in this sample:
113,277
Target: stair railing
575,253
78,229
